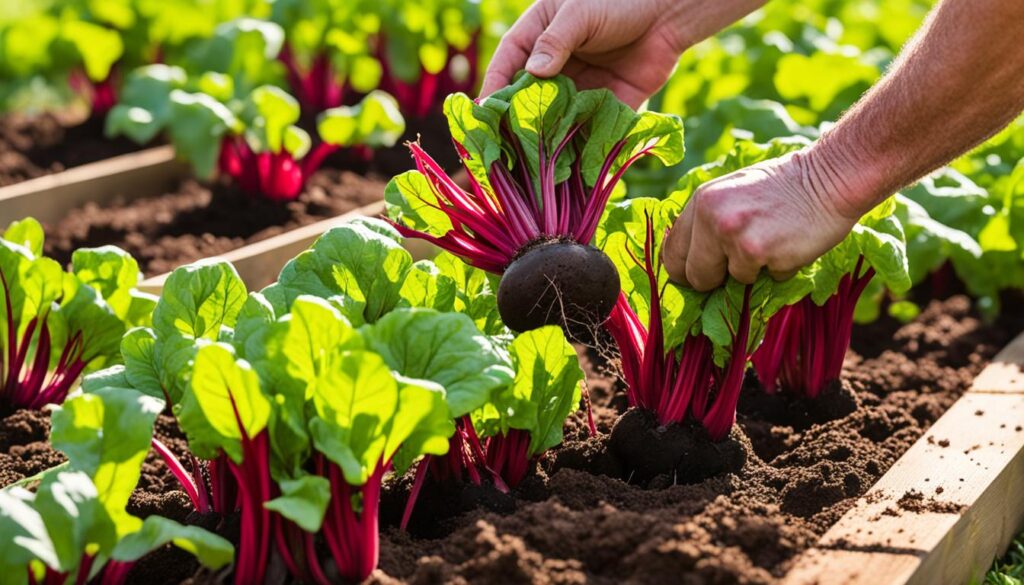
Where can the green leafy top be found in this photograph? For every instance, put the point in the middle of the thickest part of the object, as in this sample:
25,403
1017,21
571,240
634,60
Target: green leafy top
199,108
446,348
98,299
80,510
315,383
363,269
199,304
546,389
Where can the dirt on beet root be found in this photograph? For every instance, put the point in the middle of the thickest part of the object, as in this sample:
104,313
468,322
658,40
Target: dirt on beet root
589,515
35,145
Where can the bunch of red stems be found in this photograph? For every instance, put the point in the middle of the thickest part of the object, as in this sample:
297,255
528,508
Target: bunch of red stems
350,526
678,382
27,379
805,344
318,87
274,175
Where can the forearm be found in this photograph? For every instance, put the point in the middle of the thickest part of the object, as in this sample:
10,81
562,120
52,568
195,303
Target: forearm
959,81
701,19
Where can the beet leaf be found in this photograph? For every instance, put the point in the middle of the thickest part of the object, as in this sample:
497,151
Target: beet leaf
57,325
75,525
543,160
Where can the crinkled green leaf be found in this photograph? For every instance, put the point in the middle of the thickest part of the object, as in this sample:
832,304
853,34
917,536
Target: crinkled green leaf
27,233
144,105
445,348
271,111
411,201
354,261
200,124
224,403
199,299
106,434
545,391
303,501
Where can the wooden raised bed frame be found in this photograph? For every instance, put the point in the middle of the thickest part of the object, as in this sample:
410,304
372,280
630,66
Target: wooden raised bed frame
981,469
50,197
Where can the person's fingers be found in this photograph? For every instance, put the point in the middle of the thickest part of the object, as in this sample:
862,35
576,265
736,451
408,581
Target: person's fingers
781,275
706,262
677,247
555,45
514,49
743,269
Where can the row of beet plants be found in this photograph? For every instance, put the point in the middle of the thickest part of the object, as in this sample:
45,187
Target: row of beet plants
359,363
327,53
543,212
223,115
297,401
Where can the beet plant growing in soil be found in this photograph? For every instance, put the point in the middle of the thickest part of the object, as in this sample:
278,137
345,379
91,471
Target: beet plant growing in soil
73,526
57,325
543,160
253,138
299,399
419,52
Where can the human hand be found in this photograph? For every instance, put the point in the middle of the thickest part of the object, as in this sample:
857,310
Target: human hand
778,215
629,47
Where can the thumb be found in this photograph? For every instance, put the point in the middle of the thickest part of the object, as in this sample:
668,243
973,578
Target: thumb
555,45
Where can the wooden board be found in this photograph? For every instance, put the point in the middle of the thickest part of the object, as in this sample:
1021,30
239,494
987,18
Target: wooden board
49,198
969,471
259,263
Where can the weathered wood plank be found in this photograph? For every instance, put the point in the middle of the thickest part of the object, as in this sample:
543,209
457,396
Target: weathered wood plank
49,198
949,505
1004,374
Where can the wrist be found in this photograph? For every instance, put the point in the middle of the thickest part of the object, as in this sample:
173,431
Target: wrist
693,21
844,179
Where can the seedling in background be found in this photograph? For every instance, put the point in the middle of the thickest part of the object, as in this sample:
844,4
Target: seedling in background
543,161
254,140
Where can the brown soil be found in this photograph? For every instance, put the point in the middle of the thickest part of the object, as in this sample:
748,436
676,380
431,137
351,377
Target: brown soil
25,446
33,146
587,516
198,220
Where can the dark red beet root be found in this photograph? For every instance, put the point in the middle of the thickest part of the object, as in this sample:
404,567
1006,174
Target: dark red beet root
682,453
558,283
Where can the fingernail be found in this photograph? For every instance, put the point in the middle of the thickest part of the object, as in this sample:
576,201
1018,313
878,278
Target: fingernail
538,61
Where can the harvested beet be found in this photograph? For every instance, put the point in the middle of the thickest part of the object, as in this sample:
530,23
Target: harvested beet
682,452
558,282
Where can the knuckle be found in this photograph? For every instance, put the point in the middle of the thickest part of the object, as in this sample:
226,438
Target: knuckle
753,248
730,223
